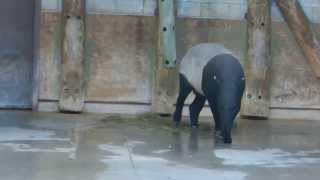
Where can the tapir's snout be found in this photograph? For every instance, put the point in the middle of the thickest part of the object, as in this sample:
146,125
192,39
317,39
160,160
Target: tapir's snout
227,117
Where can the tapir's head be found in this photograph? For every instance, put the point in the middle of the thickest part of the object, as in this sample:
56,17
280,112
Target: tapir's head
230,79
229,102
230,87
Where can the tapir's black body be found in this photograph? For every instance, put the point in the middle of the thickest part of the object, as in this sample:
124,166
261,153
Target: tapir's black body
223,85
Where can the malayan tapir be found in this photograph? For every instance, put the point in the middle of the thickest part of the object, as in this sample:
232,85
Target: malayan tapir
212,72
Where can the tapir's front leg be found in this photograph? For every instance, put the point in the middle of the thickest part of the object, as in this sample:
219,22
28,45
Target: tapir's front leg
228,117
195,109
217,118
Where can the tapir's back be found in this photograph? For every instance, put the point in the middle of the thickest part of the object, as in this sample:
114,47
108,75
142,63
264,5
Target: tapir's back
197,57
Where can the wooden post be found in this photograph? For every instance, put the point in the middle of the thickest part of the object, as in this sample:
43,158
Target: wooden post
36,56
256,101
164,79
302,31
167,32
72,86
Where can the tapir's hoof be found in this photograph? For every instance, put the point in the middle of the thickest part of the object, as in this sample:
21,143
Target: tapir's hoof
227,140
176,124
194,126
217,134
220,139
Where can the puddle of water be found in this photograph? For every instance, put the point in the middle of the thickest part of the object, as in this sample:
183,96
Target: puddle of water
18,134
161,151
27,148
266,157
11,137
155,168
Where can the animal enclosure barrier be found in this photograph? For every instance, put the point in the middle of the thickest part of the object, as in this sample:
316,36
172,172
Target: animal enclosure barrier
125,69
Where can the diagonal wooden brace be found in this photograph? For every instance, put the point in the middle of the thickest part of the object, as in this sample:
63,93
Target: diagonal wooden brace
302,31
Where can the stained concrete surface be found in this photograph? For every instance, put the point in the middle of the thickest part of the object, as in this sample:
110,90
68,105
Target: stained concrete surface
46,146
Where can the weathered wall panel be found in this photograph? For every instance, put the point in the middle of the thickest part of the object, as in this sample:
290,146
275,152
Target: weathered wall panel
16,53
294,84
120,50
50,56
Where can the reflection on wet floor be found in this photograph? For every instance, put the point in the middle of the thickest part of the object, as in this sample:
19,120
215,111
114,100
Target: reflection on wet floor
55,146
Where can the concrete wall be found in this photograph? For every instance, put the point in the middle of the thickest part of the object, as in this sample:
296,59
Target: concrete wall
16,53
121,44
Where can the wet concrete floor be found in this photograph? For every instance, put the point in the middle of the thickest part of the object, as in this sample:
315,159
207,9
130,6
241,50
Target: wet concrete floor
49,146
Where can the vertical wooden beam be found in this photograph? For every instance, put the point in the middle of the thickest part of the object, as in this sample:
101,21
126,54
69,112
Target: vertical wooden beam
302,31
164,79
36,56
167,32
257,97
72,87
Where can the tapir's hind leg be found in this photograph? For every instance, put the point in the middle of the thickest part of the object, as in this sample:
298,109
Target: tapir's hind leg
195,109
184,91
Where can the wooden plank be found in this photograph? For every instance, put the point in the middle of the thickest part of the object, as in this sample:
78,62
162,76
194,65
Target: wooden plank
164,79
302,31
36,56
119,65
257,97
167,32
72,87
